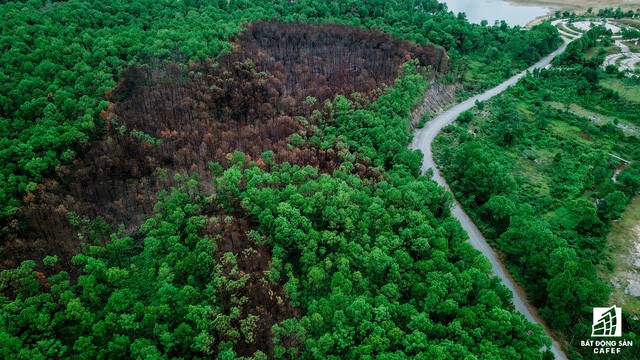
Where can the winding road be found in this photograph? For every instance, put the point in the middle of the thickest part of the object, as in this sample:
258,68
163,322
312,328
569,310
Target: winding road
424,138
626,60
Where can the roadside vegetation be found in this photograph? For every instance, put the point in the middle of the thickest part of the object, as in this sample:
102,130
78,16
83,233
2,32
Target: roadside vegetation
625,87
535,168
623,249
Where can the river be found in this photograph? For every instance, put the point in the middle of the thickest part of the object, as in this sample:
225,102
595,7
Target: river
495,10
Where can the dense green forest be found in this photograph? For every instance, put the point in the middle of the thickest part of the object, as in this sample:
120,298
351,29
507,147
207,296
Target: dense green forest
361,265
179,182
367,265
535,168
59,59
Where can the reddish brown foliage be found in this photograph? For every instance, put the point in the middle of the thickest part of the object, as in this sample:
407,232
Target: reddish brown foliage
322,60
263,299
181,118
202,113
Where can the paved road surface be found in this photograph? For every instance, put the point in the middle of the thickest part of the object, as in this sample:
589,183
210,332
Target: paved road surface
423,140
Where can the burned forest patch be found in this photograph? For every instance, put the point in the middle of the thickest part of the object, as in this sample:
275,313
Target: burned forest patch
179,118
166,121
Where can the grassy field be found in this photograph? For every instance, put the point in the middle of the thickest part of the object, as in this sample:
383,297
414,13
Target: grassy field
593,52
569,28
624,250
574,29
629,22
626,89
565,131
627,126
633,47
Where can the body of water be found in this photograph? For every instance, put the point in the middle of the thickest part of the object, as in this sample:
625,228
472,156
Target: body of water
492,10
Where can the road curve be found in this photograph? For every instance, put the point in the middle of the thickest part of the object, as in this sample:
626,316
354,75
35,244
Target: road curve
424,138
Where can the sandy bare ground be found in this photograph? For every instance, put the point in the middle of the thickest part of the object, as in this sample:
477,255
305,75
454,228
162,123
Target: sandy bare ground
582,5
623,249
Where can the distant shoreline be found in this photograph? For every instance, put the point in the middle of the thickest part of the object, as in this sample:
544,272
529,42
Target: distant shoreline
580,5
539,19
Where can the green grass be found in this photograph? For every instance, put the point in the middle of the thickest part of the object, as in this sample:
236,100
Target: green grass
524,109
596,117
532,171
594,51
612,49
474,76
580,111
622,239
623,87
569,132
629,22
570,29
633,47
556,105
573,29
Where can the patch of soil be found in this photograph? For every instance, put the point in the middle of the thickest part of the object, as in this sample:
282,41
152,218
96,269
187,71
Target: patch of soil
437,96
